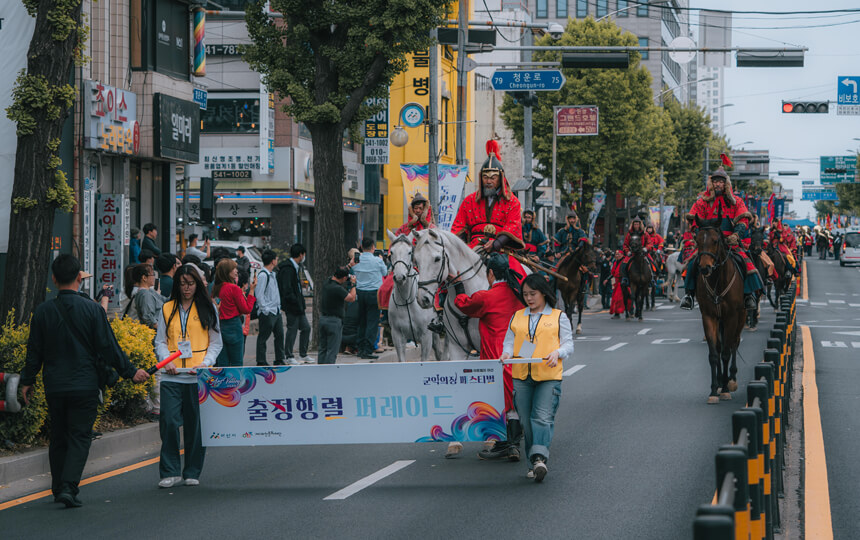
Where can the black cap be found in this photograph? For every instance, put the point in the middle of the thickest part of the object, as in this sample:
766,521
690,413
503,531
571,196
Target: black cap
720,173
498,263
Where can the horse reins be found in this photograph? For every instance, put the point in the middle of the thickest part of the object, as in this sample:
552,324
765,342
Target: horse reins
410,273
717,298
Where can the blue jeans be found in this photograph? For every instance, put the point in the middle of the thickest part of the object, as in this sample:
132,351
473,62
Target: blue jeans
536,403
233,352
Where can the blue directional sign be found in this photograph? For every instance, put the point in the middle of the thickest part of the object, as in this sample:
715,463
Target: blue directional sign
201,97
819,195
848,91
536,80
838,169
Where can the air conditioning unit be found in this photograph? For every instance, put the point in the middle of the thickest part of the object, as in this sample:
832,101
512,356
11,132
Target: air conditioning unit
352,185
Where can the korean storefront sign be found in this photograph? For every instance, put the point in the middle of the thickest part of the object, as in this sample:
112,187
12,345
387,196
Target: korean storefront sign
109,242
267,131
238,210
110,119
352,403
376,134
177,128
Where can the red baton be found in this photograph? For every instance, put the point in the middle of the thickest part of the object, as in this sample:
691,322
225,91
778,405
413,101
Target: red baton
164,362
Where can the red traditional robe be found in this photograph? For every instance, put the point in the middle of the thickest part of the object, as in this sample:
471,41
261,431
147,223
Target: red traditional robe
493,308
731,211
478,221
616,307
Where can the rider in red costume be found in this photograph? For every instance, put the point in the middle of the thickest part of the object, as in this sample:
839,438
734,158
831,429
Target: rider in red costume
636,228
718,202
491,217
420,216
657,241
782,237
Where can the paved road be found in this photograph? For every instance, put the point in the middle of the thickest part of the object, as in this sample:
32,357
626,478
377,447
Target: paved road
633,457
833,316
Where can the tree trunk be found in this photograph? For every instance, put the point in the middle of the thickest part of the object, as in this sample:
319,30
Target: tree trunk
328,209
609,222
30,229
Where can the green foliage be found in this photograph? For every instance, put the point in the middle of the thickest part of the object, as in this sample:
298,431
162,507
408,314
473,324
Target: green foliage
31,94
849,201
61,195
126,399
684,178
23,203
23,427
328,57
635,137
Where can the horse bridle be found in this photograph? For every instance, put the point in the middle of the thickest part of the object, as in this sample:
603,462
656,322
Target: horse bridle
410,266
716,298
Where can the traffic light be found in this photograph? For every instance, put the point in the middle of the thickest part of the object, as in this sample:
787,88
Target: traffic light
526,99
590,60
207,200
818,107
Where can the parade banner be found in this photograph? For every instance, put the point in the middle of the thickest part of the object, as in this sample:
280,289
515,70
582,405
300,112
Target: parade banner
452,180
654,217
352,403
596,206
664,220
778,208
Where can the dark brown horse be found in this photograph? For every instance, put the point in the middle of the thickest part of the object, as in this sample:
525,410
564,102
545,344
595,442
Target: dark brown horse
720,292
576,266
783,278
640,276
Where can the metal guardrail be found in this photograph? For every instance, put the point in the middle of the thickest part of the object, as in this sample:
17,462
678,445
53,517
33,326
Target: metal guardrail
750,470
10,403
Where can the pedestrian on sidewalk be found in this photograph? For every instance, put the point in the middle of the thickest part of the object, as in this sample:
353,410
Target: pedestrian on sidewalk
494,308
150,233
189,324
146,300
290,274
232,304
369,273
192,248
71,337
539,332
334,294
167,264
269,310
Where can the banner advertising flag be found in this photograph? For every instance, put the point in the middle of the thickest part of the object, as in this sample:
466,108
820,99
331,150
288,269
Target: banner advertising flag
596,205
452,180
664,222
779,208
654,216
770,208
352,403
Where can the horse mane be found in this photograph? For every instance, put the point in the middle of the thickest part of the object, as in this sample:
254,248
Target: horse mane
453,243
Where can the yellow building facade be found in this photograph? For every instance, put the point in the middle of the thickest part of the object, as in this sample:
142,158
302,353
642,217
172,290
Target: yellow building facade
413,86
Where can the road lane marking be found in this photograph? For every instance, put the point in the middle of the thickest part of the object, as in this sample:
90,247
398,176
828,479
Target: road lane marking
836,301
643,332
805,283
593,338
665,307
572,370
670,341
90,480
818,523
614,347
818,303
369,480
848,333
854,305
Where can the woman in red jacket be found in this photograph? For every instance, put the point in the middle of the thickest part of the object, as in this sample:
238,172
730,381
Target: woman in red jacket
616,308
231,304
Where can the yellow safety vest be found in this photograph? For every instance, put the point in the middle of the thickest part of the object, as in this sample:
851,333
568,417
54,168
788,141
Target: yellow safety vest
547,338
193,332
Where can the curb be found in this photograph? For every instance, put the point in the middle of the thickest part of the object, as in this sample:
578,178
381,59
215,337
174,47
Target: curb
34,463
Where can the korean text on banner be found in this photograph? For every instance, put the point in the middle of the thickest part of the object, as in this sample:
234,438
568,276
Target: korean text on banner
352,403
452,180
110,226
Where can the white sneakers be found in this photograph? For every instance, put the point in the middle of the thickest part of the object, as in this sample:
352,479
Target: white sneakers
292,361
307,359
171,481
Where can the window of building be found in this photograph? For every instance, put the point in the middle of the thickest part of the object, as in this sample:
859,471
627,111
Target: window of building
602,8
716,84
623,7
561,8
304,132
716,101
581,9
642,10
541,9
231,113
643,42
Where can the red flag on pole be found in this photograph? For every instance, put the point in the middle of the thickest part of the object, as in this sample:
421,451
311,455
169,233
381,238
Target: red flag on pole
726,161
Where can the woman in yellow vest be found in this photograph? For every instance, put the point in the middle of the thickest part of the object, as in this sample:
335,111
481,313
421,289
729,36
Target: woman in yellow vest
543,333
189,324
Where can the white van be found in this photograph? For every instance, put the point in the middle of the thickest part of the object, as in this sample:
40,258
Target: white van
850,248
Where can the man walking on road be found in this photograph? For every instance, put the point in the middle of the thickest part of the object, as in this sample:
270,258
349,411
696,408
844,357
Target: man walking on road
68,336
368,279
269,310
293,304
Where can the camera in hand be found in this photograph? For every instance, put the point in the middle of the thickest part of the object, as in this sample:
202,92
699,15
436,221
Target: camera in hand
357,258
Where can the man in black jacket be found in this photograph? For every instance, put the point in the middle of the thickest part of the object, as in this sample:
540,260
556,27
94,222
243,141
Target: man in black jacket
150,233
68,354
293,304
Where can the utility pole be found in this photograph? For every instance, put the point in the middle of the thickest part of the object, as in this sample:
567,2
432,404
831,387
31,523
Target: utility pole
433,121
705,165
527,132
662,188
462,80
552,211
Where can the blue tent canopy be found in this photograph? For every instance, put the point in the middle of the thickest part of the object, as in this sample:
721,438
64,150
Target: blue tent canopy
798,222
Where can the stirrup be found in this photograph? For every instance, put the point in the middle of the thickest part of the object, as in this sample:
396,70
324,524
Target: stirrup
437,326
749,302
687,302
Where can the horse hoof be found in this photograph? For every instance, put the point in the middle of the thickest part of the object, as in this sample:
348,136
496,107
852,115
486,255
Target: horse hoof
578,329
713,400
753,328
725,396
732,386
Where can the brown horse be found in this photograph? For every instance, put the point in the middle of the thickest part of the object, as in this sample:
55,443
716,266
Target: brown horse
640,276
576,266
720,292
783,277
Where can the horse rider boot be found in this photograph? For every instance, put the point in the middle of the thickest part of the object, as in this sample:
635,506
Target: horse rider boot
752,282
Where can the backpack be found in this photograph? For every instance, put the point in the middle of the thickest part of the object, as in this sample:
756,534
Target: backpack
255,312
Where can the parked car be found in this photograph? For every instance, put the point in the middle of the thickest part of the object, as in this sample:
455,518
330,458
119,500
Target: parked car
850,248
253,253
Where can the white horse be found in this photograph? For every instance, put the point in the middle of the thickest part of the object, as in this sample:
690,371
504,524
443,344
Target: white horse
674,281
408,320
437,255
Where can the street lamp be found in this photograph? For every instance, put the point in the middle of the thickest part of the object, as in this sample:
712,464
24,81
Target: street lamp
735,124
664,92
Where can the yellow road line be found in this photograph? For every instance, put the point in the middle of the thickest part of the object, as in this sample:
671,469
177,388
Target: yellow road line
816,498
805,282
90,480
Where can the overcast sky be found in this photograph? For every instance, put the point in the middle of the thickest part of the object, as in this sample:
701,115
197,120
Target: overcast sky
795,141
